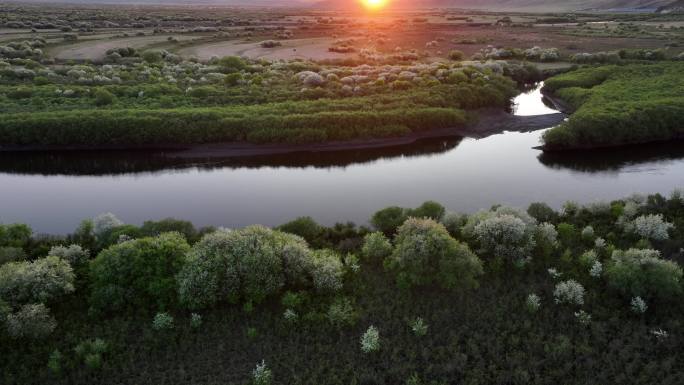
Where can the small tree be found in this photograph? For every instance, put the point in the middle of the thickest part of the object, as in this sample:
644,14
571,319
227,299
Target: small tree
637,272
140,272
425,253
305,227
370,340
103,97
75,255
456,55
376,246
262,374
569,292
35,282
162,321
533,303
389,219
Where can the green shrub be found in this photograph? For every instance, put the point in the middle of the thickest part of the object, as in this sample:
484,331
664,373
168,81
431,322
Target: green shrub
162,321
645,274
138,273
542,212
389,219
15,235
426,254
341,313
305,227
376,246
11,254
456,55
55,362
90,352
152,56
429,209
167,225
232,63
103,97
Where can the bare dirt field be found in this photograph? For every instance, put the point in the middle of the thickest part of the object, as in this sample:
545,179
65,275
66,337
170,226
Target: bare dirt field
97,49
312,48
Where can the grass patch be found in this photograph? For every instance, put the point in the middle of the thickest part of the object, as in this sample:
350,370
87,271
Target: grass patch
619,105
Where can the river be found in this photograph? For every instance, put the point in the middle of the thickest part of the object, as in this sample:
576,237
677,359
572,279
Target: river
53,192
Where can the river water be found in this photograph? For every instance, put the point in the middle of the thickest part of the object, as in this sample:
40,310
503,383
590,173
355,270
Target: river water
53,192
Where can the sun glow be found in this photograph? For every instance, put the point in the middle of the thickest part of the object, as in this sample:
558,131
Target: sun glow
374,4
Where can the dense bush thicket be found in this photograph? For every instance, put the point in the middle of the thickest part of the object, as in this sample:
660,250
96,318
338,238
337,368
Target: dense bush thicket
137,272
583,295
619,105
230,99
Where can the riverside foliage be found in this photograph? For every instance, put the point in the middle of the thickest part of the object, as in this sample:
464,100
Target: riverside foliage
164,296
232,99
619,105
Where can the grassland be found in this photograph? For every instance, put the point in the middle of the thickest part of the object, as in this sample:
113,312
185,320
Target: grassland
619,105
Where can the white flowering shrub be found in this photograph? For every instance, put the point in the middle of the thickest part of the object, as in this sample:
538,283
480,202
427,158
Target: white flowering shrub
547,232
453,222
569,292
425,254
251,264
638,305
533,303
31,321
546,237
327,271
162,321
505,232
554,273
504,236
596,269
376,246
261,375
660,334
600,243
370,340
643,273
419,327
583,317
290,315
105,222
35,282
75,255
195,321
588,233
652,227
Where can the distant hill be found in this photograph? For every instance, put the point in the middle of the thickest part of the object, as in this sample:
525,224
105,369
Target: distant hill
494,5
676,7
518,5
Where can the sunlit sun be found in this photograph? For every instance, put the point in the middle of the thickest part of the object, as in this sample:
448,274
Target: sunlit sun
374,4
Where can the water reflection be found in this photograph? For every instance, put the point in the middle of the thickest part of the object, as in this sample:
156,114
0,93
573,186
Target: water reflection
133,162
627,159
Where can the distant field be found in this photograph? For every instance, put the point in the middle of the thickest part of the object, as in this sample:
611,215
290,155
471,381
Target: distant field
97,49
314,48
